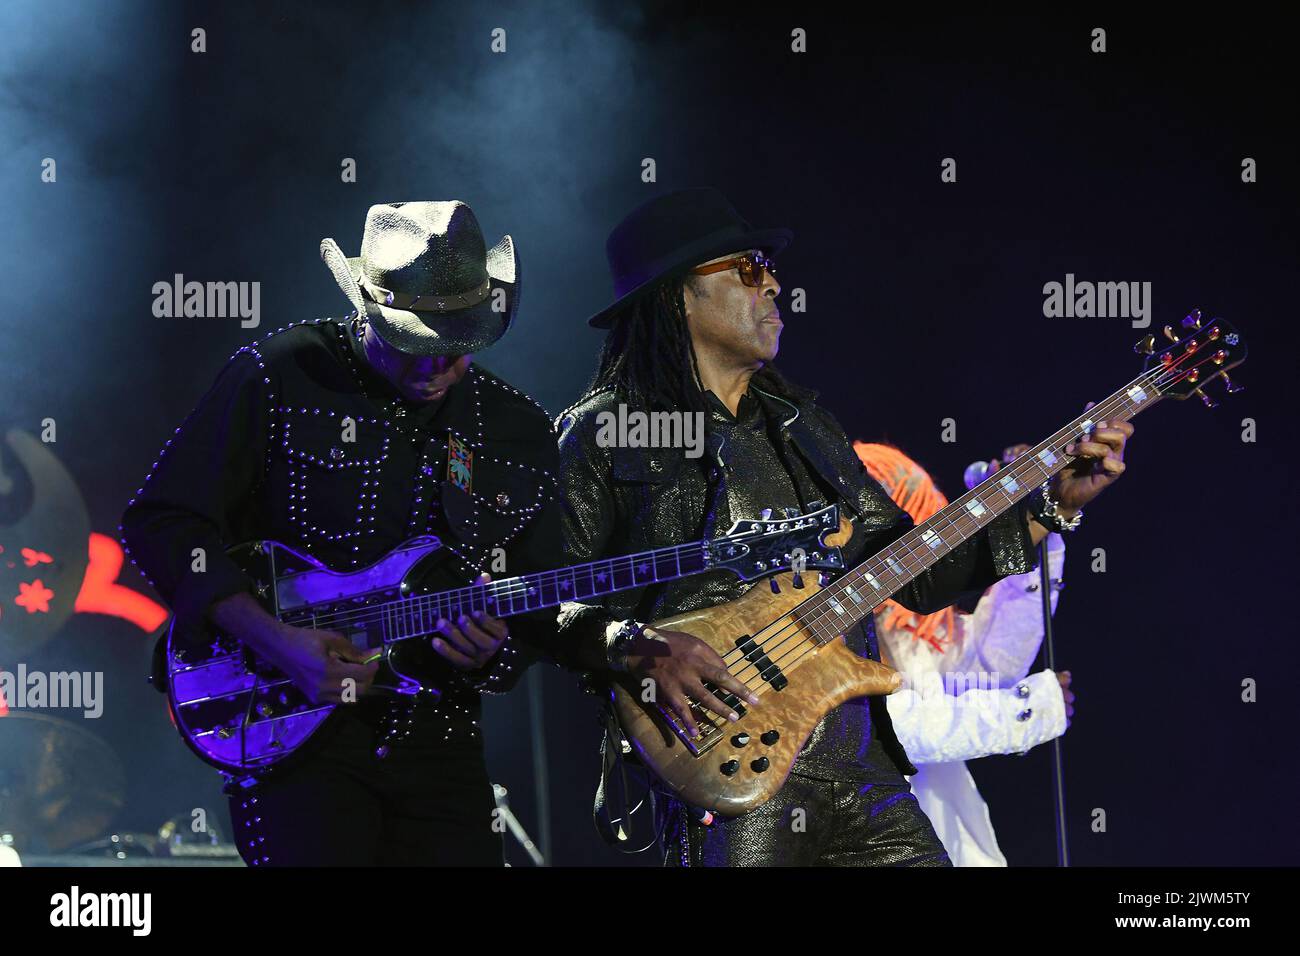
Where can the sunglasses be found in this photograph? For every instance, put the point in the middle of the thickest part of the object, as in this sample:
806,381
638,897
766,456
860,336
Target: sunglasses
752,266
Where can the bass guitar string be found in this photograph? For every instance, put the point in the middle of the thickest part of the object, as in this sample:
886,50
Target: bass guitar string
1156,377
817,617
409,608
796,630
814,622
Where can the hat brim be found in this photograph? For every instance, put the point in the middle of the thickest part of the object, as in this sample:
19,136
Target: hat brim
439,333
771,241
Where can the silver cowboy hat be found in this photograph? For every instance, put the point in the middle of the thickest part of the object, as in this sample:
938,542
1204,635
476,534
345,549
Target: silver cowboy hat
426,280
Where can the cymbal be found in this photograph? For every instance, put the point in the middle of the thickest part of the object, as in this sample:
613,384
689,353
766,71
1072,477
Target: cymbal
60,784
44,530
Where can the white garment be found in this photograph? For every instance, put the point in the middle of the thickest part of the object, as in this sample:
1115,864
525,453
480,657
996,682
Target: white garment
973,700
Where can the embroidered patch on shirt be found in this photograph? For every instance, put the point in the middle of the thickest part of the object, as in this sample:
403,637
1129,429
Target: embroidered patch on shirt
460,464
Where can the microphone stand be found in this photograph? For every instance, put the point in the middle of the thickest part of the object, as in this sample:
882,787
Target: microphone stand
1058,766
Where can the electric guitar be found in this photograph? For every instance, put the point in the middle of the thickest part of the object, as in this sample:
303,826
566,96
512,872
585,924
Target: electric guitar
786,643
240,714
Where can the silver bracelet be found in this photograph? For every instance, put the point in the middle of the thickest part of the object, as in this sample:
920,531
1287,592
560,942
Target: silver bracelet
1052,514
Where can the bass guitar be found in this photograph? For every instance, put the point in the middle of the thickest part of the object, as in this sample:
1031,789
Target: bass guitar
786,642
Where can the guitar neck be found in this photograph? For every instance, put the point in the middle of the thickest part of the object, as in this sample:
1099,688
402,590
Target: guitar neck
845,602
417,616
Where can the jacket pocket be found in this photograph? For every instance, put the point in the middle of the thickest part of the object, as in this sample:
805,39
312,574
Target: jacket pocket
502,501
333,485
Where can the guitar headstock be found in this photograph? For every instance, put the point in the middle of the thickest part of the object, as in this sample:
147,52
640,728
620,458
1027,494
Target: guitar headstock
1195,354
757,547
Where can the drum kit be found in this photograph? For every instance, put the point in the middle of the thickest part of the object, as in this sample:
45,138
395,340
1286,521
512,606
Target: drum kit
61,786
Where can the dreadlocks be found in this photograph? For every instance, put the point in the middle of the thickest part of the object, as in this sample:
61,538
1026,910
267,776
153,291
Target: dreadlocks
649,357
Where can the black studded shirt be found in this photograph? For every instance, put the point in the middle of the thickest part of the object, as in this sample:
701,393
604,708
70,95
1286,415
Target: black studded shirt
300,441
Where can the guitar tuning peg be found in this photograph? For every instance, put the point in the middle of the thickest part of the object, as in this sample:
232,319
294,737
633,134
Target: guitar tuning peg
1145,345
1231,387
1192,320
790,512
1169,333
1209,402
765,514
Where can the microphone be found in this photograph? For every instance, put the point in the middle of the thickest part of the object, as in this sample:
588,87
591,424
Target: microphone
975,472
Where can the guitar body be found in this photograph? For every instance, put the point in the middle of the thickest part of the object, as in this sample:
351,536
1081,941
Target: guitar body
240,714
716,772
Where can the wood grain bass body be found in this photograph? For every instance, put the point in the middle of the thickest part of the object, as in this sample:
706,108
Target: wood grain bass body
735,767
821,677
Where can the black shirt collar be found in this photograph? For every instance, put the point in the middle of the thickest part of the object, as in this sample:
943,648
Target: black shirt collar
748,410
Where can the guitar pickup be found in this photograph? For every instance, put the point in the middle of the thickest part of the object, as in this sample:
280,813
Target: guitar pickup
727,697
766,669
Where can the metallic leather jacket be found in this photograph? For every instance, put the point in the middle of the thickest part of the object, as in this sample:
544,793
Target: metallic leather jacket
617,500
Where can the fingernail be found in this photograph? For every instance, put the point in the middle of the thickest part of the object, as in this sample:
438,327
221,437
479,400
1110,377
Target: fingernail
733,717
753,699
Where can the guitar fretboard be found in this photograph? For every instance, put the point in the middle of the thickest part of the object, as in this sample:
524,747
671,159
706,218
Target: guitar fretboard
842,604
418,615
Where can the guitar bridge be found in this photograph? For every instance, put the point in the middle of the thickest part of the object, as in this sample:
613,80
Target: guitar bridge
710,733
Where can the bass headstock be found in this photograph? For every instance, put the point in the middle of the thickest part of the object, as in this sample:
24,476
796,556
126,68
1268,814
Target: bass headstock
756,547
1193,355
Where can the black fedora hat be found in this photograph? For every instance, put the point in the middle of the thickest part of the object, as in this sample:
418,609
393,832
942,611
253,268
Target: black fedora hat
671,233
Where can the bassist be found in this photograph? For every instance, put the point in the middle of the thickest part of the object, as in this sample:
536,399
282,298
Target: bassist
694,329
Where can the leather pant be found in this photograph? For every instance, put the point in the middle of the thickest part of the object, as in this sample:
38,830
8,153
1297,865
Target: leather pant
341,805
812,822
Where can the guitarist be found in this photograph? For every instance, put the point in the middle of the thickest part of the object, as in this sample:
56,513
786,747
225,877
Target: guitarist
694,329
343,439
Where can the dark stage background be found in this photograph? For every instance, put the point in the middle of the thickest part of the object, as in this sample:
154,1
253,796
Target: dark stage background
924,303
